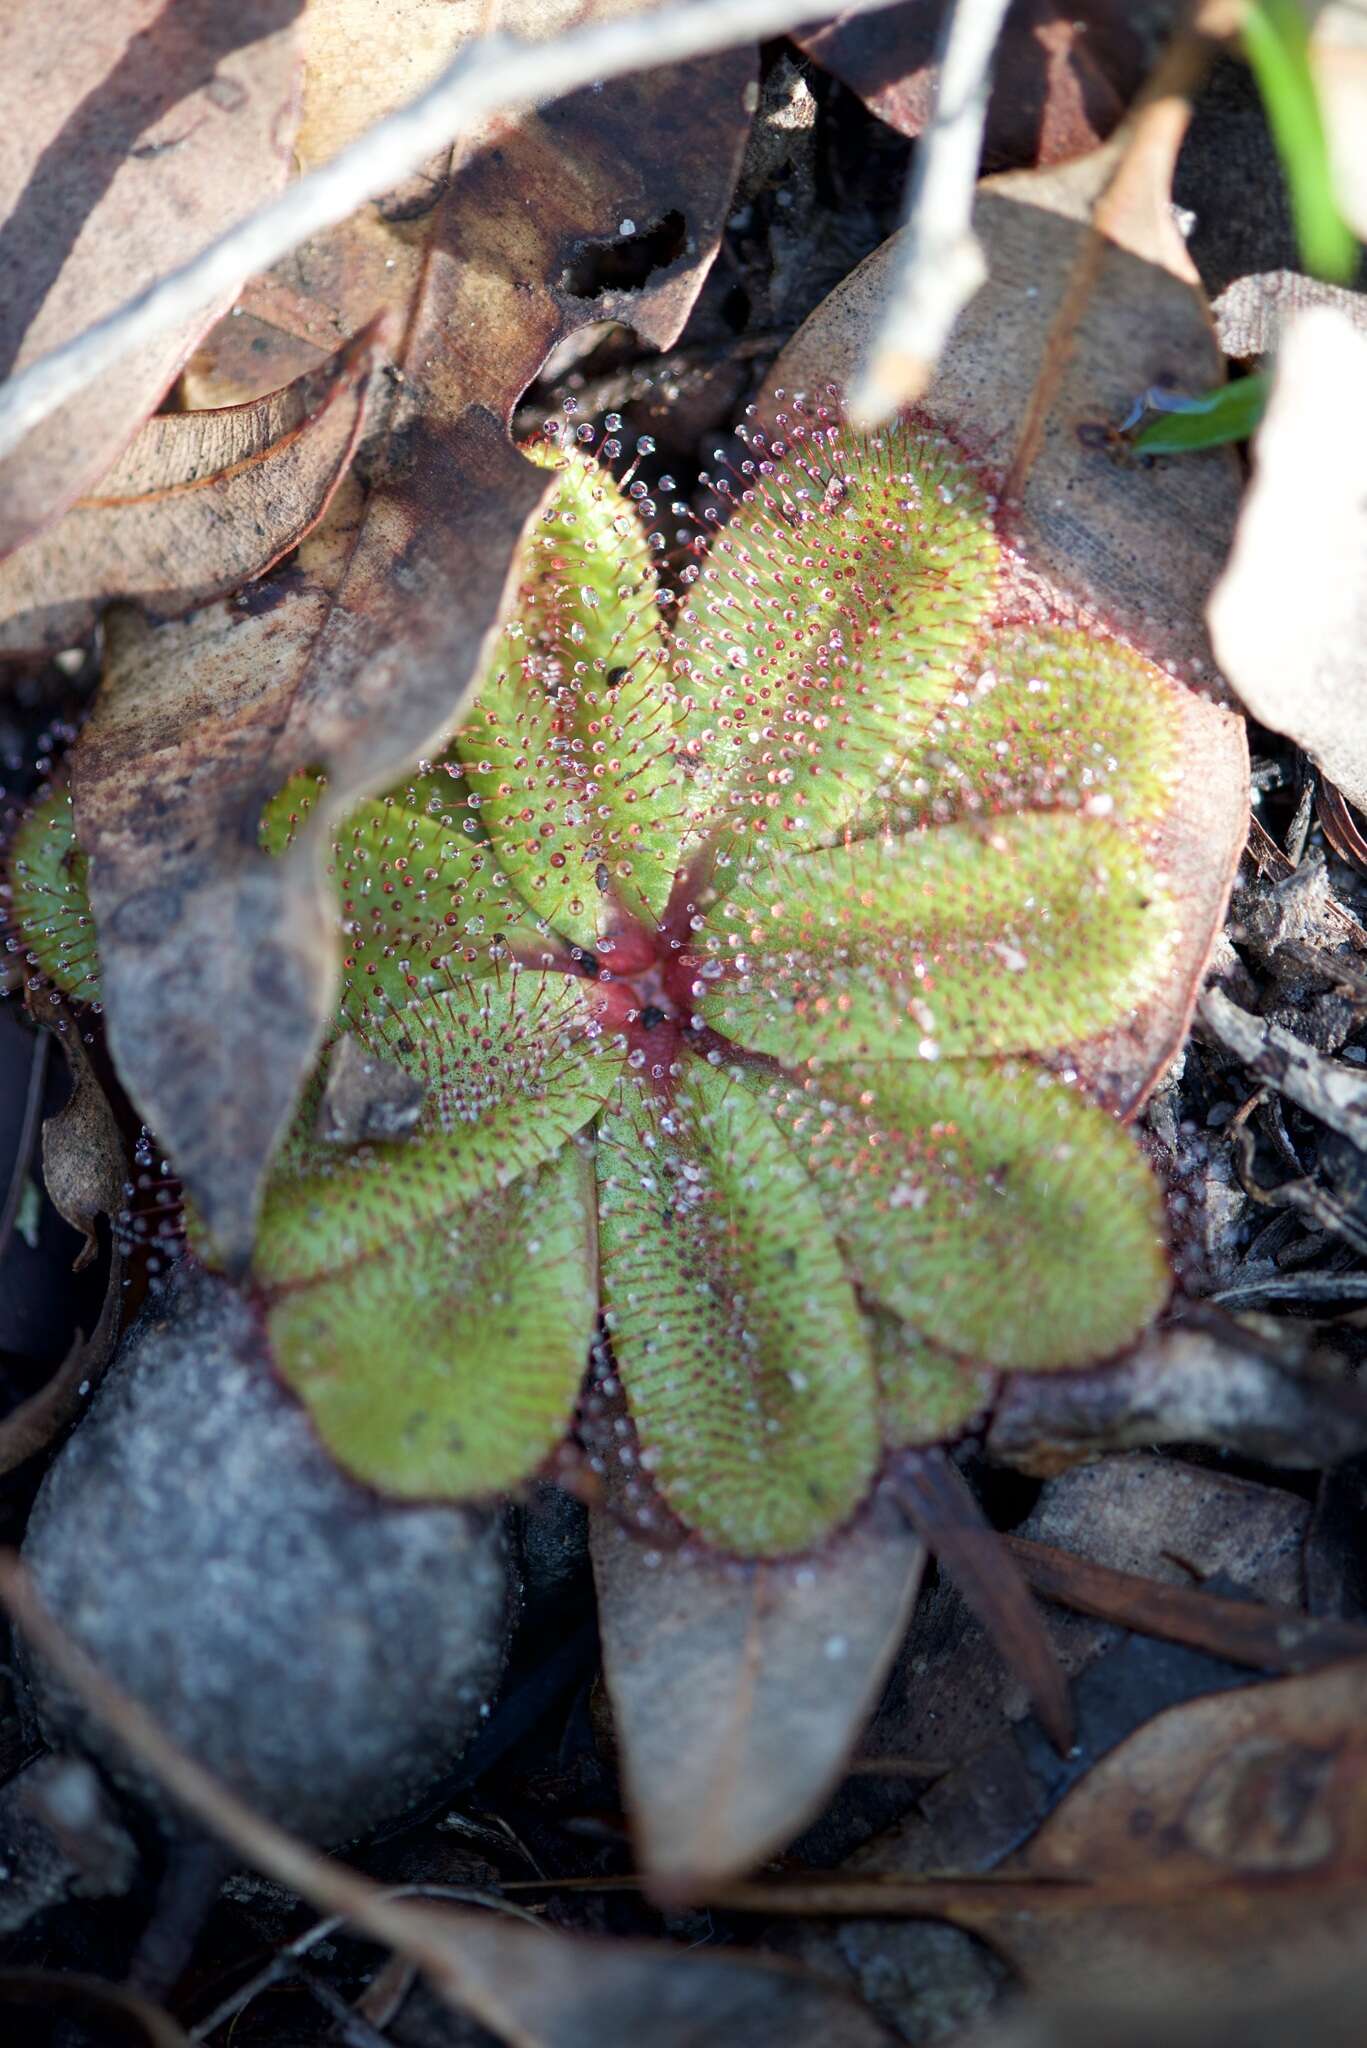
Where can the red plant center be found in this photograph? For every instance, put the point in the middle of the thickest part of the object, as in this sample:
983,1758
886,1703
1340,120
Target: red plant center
648,982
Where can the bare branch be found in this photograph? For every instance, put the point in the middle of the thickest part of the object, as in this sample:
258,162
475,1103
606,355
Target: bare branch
940,265
495,74
1326,1088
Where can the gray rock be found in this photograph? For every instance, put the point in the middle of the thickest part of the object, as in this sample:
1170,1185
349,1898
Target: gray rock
60,1838
326,1652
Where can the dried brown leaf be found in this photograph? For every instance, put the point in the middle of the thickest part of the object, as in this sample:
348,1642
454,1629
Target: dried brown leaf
1061,82
1227,1835
218,960
201,503
739,1690
136,132
1247,1798
84,1163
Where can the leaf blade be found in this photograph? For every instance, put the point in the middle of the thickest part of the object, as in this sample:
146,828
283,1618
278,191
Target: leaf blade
1015,935
734,1328
451,1371
1006,1217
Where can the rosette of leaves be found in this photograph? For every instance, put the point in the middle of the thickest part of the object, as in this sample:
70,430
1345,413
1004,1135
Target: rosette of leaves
746,943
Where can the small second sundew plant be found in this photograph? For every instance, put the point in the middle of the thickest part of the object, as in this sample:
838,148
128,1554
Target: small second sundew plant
743,940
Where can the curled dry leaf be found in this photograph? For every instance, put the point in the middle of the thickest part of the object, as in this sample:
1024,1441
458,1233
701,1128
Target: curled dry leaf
136,133
218,959
201,503
738,1690
1064,75
1241,1816
1289,615
83,1157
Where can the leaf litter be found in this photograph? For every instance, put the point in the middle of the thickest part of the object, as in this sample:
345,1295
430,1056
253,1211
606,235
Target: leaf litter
1123,550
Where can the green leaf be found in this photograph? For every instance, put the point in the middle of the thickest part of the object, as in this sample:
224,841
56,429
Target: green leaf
1276,37
1001,1213
1017,934
820,636
512,1069
1229,413
421,898
734,1327
1049,721
449,1367
49,908
925,1394
569,747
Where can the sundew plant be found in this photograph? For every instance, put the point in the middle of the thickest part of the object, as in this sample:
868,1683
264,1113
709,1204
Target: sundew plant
743,941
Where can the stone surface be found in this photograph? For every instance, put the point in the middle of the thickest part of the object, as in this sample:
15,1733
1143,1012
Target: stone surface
325,1652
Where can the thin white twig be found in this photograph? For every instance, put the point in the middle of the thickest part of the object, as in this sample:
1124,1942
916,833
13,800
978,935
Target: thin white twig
495,74
939,265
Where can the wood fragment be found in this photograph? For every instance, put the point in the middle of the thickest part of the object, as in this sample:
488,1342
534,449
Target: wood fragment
1250,1632
1326,1088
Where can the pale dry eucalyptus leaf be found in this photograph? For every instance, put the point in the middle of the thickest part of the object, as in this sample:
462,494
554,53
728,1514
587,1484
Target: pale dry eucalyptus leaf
738,1690
1289,615
1061,80
1249,1822
199,504
136,132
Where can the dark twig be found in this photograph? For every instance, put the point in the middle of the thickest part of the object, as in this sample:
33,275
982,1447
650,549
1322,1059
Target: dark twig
1248,1632
28,1132
938,1503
